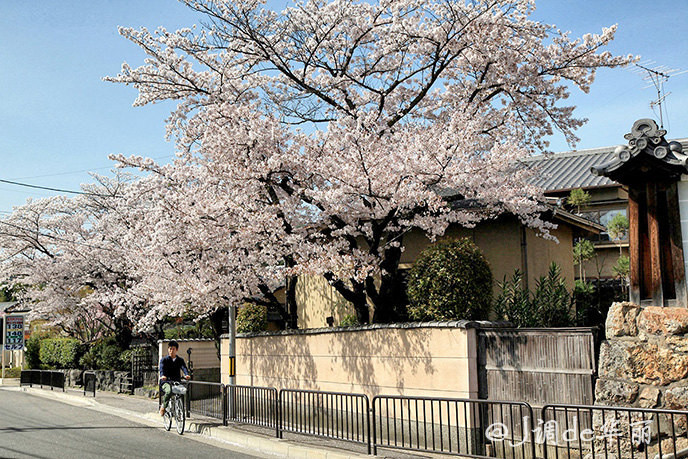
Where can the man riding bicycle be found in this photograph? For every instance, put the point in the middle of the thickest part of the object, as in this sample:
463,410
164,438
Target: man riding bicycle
170,367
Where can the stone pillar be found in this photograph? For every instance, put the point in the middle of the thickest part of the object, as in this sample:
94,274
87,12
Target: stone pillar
644,360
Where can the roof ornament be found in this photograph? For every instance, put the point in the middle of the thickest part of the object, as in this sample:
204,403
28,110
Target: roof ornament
647,150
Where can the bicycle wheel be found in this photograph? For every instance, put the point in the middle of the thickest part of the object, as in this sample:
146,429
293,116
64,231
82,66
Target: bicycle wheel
180,414
167,417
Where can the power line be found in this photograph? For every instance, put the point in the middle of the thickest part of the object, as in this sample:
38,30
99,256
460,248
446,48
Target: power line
59,190
79,171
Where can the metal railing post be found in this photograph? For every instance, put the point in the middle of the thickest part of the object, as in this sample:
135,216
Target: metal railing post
277,414
224,405
367,411
280,413
374,428
188,400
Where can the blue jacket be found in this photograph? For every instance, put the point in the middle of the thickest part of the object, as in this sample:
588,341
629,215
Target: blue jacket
171,368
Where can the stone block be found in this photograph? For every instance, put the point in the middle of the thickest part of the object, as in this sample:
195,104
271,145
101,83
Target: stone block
610,392
643,363
621,320
649,397
655,320
676,398
678,343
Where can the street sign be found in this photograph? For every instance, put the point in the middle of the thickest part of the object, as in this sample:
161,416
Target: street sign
14,333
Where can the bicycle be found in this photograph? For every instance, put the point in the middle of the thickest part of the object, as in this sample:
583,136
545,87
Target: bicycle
175,408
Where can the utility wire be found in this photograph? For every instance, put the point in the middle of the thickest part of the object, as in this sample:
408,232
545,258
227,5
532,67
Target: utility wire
81,170
60,190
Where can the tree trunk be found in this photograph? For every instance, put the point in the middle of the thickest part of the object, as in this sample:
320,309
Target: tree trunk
217,319
291,306
390,298
123,332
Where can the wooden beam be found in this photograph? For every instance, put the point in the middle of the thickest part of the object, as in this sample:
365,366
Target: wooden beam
655,287
634,246
676,243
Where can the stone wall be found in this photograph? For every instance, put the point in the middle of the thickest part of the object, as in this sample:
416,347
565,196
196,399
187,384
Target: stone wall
644,361
105,379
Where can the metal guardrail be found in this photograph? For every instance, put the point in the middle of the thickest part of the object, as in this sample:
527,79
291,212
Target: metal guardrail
50,378
450,426
460,427
572,431
206,399
253,405
336,415
90,382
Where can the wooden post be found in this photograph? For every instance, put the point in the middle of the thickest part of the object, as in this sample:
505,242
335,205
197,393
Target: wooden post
676,246
634,245
655,290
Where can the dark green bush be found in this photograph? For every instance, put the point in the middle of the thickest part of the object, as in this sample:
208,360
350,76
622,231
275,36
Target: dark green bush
513,302
105,354
60,352
548,306
349,320
33,349
200,329
552,301
450,281
252,318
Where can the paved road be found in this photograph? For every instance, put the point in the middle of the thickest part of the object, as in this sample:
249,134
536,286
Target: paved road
36,427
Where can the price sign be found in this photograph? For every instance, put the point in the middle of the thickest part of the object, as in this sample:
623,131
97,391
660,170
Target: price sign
14,333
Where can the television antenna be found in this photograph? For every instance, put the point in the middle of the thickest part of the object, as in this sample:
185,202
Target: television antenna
657,76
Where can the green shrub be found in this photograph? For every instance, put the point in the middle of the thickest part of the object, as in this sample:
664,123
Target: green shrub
33,349
105,354
587,312
200,329
13,372
450,281
551,300
548,306
513,302
60,352
349,320
252,318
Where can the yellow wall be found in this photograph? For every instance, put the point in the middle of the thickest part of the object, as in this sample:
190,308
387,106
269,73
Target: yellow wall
542,252
499,240
203,352
426,361
606,258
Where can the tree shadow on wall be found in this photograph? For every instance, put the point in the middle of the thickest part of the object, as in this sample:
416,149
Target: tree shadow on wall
364,355
283,362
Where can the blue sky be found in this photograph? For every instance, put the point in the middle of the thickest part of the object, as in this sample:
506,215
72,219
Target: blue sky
58,119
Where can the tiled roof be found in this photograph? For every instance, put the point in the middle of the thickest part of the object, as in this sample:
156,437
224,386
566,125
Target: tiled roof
571,169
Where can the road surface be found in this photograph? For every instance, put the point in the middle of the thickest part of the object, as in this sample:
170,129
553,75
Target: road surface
37,427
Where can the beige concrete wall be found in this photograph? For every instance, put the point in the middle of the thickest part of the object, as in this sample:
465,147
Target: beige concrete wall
203,352
436,362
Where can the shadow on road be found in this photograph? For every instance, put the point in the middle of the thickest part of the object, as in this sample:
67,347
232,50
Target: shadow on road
31,429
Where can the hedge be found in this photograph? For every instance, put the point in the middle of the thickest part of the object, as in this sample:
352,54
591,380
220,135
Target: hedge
60,352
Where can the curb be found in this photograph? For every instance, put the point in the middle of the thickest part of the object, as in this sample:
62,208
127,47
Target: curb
246,442
265,445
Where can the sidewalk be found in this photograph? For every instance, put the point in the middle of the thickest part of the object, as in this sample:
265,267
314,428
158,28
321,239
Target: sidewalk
239,437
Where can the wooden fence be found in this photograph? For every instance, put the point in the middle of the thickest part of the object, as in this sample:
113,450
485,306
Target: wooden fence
537,366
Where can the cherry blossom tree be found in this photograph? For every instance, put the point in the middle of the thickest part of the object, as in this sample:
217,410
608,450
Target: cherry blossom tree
311,140
68,255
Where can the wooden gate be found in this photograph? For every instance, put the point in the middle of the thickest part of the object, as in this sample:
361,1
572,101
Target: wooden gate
537,366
